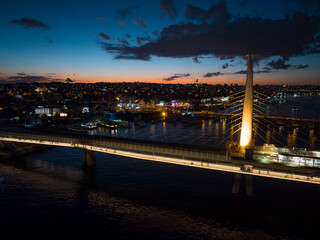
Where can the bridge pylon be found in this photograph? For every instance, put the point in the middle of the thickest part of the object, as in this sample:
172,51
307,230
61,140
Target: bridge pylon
88,158
246,142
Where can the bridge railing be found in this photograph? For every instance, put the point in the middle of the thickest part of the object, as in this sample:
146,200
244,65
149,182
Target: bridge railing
129,145
205,156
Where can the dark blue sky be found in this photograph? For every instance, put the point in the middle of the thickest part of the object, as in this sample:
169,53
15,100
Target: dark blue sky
160,41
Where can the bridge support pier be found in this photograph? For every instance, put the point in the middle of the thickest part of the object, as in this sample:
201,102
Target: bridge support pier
2,145
236,184
248,156
249,190
88,158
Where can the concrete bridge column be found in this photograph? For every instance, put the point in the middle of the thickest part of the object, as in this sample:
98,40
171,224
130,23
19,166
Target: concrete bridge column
2,145
248,184
88,158
246,142
236,183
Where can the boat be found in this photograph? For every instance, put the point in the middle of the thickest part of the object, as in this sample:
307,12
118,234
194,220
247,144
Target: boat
107,124
77,129
122,123
89,125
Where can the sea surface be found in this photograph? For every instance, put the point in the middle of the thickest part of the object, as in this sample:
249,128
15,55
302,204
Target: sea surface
49,195
217,132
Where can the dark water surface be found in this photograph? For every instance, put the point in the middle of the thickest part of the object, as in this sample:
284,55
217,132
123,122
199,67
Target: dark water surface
49,194
215,132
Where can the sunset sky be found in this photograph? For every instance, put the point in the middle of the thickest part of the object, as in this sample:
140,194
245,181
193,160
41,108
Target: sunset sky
164,41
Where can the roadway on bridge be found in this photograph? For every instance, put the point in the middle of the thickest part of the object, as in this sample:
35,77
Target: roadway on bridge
202,157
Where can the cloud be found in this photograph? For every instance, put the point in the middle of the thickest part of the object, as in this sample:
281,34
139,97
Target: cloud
196,60
141,40
155,32
121,23
279,64
301,66
255,72
124,13
122,42
29,23
104,36
167,8
261,71
101,18
241,72
177,75
217,13
114,49
224,66
212,74
30,79
140,23
21,74
227,38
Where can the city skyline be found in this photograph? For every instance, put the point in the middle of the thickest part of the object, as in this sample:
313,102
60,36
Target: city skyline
160,41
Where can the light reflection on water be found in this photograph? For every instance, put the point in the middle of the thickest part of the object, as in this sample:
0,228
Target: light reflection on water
217,132
49,193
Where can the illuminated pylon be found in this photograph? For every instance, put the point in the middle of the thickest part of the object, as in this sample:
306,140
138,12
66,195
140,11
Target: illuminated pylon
246,128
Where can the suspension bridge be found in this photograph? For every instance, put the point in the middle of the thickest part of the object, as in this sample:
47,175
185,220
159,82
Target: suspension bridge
240,155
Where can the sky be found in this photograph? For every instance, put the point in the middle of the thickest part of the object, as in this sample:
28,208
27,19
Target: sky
162,41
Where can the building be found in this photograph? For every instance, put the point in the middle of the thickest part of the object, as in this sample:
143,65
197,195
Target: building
68,80
40,110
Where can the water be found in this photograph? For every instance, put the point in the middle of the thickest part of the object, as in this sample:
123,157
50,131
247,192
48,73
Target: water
49,195
306,107
218,132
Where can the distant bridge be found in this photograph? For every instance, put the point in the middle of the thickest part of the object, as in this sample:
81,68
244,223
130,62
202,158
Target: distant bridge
201,157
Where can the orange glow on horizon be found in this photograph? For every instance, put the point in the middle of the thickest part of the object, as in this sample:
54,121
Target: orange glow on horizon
262,79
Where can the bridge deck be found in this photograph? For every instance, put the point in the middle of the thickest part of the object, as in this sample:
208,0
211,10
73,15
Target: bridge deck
170,153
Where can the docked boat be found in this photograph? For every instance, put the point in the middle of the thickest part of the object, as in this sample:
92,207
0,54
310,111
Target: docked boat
89,125
77,129
122,123
107,124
